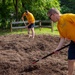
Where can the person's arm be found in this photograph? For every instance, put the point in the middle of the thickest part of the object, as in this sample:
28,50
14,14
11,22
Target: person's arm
23,16
62,40
23,19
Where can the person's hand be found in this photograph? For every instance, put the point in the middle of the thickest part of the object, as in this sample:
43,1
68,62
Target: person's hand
26,26
56,53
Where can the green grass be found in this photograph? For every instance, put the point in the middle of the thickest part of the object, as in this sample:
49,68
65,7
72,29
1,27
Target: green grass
46,31
37,31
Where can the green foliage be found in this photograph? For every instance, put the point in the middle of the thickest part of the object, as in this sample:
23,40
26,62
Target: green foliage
39,9
4,13
67,6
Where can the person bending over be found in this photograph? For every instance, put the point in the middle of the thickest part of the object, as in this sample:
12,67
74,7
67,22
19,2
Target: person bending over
31,23
66,28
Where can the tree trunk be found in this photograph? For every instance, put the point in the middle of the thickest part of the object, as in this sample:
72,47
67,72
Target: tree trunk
16,8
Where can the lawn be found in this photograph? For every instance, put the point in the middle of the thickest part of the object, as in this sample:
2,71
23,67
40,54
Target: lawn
37,31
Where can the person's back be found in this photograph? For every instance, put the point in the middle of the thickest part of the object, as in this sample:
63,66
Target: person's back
66,26
29,17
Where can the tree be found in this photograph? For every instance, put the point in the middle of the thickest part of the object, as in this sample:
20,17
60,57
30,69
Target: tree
15,2
3,13
40,7
67,6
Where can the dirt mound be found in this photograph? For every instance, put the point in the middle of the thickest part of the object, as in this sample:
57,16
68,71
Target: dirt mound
18,52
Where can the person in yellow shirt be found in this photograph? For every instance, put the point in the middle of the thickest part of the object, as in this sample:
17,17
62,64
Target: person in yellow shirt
66,28
31,22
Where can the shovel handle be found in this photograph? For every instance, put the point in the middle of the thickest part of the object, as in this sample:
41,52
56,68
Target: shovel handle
24,23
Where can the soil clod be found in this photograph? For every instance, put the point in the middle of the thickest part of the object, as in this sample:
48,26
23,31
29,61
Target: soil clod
29,68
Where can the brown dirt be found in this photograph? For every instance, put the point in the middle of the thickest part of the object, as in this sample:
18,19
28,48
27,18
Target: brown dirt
18,52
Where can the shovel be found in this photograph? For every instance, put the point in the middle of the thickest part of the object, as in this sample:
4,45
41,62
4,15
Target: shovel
50,54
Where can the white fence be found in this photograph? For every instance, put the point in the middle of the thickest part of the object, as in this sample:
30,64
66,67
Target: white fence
38,23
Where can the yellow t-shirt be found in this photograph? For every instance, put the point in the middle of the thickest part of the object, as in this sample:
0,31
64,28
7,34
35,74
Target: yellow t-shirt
66,26
29,17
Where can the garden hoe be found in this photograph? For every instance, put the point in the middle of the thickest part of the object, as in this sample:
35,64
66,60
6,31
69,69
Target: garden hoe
34,67
50,54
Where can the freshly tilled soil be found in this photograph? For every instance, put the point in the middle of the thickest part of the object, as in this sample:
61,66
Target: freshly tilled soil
18,52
